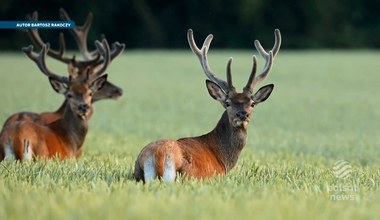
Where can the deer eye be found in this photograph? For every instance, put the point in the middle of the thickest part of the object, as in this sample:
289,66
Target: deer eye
253,104
227,103
91,94
69,96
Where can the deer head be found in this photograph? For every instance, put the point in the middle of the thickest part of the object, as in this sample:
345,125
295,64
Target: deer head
239,106
78,89
92,62
79,93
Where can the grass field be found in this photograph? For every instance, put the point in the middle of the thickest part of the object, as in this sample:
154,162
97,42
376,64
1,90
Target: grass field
324,108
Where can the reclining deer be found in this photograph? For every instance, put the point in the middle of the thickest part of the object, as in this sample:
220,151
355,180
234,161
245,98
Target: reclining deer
25,140
91,63
216,152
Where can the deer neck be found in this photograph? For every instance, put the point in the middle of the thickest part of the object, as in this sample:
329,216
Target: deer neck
72,127
229,141
61,109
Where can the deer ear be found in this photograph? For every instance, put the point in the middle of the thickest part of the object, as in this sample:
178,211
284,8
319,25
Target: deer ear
262,94
98,83
58,86
215,91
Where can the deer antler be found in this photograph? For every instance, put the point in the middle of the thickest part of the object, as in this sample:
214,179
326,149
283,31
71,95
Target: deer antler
202,56
60,54
253,79
268,56
104,50
39,59
80,34
276,46
35,37
117,49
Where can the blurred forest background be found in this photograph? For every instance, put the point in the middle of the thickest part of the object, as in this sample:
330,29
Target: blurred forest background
306,24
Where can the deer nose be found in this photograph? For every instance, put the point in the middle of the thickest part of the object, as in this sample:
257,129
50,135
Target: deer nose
119,91
243,115
83,107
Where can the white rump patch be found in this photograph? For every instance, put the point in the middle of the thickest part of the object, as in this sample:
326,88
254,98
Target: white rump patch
169,170
9,154
28,153
149,170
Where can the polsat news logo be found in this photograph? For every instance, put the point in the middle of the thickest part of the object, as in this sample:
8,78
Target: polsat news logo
342,169
342,191
37,24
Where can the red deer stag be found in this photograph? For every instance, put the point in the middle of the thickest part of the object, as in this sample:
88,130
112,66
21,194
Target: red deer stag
216,152
64,137
92,61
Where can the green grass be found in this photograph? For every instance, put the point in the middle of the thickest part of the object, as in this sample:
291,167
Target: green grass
324,108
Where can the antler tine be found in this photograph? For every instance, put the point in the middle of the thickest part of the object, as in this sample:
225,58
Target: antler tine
269,57
117,49
229,74
193,45
80,34
202,56
249,86
254,80
39,59
276,46
71,69
36,38
62,45
104,50
206,68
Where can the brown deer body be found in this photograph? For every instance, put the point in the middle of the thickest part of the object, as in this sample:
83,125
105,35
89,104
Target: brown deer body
216,152
63,137
108,91
91,64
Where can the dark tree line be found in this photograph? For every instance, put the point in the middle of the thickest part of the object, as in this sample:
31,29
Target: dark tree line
234,23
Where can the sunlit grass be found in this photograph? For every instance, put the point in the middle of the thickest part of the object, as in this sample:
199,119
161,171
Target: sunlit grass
324,108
